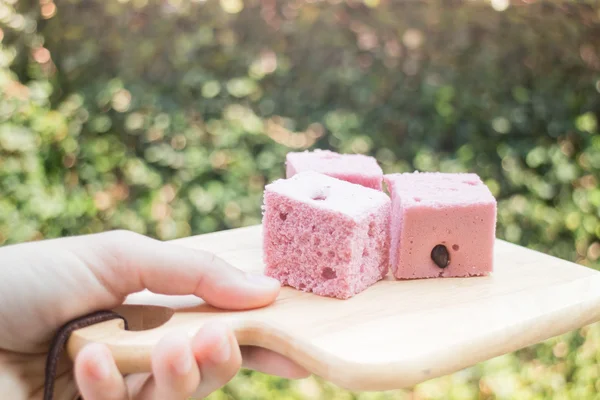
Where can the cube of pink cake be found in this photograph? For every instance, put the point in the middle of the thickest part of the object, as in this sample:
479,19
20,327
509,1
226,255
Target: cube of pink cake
324,235
355,168
442,225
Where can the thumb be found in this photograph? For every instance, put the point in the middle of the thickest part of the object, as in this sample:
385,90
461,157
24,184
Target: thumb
127,262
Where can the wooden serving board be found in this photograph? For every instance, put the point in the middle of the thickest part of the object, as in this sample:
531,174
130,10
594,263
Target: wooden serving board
393,335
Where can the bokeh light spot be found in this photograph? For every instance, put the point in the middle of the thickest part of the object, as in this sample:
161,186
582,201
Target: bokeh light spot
501,125
211,89
593,252
121,100
48,10
232,6
41,55
500,5
413,38
134,121
587,122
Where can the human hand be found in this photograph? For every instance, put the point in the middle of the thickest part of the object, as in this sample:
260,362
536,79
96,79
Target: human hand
45,284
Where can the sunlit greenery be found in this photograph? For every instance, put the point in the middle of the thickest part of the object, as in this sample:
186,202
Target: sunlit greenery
167,117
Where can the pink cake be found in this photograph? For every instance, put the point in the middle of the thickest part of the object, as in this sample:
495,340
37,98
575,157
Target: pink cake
442,225
325,235
355,168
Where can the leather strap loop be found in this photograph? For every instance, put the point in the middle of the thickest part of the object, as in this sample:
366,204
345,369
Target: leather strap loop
60,340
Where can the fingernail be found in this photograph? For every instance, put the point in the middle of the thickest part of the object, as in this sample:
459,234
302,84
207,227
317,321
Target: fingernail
222,351
183,363
101,370
262,280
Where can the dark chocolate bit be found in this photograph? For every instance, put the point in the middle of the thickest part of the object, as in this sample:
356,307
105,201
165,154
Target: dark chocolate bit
440,256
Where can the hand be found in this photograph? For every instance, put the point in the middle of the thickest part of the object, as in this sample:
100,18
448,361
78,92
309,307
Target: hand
45,284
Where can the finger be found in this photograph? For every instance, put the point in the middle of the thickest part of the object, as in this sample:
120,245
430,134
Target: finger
218,355
175,371
132,262
97,375
269,362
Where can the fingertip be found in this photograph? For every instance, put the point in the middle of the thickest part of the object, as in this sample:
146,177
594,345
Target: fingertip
251,291
264,282
95,370
218,355
94,362
175,352
175,370
215,343
269,286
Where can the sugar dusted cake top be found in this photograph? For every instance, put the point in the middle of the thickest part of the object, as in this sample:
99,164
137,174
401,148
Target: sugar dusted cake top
437,189
329,193
328,162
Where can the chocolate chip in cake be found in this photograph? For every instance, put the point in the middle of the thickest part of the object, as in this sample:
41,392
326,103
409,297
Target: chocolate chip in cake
440,256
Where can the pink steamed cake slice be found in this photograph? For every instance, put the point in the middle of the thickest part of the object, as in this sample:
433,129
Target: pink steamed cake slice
355,168
455,212
324,235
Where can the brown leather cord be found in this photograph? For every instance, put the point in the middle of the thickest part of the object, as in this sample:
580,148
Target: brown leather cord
60,340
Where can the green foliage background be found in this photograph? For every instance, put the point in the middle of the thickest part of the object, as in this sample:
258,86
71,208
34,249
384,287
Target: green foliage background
167,117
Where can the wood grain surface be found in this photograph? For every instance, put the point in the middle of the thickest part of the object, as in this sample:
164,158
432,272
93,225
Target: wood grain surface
393,335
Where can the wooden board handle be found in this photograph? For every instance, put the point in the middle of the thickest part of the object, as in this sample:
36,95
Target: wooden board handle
129,360
140,319
147,324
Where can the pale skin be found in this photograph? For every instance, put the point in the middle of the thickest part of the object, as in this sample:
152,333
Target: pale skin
45,284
